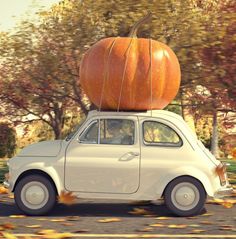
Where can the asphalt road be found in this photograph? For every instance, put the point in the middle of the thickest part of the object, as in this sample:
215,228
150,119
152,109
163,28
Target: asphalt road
121,217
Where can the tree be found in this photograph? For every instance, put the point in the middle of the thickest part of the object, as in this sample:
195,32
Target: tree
7,140
42,59
220,61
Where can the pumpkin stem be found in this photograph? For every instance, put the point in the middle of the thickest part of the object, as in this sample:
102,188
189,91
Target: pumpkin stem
133,32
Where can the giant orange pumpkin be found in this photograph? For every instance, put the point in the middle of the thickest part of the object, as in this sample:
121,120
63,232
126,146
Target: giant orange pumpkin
130,73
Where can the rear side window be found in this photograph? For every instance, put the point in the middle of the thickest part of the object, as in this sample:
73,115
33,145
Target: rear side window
156,133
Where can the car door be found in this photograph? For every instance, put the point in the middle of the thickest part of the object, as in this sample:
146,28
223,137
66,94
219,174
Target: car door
164,149
105,157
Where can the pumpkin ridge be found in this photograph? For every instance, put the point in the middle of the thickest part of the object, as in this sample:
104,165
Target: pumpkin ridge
106,71
133,92
166,83
163,74
124,71
150,72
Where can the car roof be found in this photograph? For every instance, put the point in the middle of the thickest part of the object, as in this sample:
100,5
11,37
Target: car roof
149,113
163,114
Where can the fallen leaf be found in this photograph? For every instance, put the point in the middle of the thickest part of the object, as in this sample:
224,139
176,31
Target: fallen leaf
46,232
11,196
215,201
179,226
67,224
8,235
81,231
194,225
227,204
207,214
33,226
67,198
58,220
3,190
206,222
146,229
139,211
196,231
162,218
8,226
72,218
225,228
157,225
110,220
17,216
149,215
228,226
57,235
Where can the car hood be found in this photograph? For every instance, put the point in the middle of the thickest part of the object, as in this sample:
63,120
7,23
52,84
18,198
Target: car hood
42,149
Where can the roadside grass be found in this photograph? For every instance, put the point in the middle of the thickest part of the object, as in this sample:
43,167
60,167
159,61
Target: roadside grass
231,169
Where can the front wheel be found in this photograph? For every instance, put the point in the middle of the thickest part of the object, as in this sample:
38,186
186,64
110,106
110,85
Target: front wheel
35,195
185,196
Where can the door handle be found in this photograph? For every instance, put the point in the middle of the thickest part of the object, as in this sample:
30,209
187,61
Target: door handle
128,156
134,154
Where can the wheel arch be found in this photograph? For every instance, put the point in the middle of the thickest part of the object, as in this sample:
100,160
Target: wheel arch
35,172
181,176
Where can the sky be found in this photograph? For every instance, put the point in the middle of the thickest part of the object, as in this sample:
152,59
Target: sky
12,11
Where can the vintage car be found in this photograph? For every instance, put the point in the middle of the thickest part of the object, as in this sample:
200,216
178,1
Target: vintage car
120,155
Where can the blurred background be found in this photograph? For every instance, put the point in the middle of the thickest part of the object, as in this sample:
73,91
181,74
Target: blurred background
42,43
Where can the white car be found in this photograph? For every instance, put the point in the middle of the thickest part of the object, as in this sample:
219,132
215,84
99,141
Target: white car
120,155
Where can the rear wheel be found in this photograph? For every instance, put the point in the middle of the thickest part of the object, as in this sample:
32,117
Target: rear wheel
185,196
35,195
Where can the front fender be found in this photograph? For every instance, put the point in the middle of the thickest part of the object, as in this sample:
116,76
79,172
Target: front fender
186,171
49,170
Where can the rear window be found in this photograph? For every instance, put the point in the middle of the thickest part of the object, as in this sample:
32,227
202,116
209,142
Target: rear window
156,133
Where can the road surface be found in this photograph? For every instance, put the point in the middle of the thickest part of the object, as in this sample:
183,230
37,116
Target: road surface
109,219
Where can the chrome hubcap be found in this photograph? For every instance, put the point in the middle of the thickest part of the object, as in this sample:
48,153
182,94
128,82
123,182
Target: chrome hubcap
34,195
185,196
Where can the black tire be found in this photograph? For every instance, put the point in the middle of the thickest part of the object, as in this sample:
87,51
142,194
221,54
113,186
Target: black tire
50,201
198,205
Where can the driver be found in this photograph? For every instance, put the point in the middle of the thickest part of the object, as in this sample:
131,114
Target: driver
114,128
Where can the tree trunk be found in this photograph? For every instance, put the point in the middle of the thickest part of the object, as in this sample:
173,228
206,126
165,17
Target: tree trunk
57,132
182,103
58,121
214,137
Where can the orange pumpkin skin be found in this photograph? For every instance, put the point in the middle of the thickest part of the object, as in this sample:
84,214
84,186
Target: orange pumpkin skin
130,74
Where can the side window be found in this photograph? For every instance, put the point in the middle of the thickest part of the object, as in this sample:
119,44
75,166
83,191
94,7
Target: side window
117,131
90,135
156,133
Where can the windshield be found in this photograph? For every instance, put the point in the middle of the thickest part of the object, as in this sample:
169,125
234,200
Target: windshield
70,135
